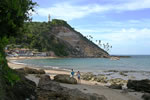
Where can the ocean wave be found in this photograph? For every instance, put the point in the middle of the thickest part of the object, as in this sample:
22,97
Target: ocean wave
19,63
57,68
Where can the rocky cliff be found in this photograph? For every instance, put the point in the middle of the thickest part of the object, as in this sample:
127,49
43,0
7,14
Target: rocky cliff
77,44
59,37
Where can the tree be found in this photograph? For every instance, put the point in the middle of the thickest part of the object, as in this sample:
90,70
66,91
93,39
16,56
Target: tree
13,13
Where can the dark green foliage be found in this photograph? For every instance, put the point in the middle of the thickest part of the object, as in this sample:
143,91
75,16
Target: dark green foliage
13,13
38,36
58,22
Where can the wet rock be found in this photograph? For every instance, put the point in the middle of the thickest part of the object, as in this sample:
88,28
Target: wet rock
117,81
123,74
65,79
112,71
132,77
115,86
139,85
100,78
146,96
88,76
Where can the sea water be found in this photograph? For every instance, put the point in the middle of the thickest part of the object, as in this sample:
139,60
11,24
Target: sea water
133,63
96,65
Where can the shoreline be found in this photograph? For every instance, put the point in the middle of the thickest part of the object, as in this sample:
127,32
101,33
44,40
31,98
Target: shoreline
22,58
110,74
84,86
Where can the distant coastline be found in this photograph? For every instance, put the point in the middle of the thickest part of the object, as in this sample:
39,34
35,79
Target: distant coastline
120,56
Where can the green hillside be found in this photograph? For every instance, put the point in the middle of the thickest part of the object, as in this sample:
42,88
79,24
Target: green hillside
38,35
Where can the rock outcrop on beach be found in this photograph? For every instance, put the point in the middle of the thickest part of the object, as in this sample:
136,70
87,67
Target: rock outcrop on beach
146,96
28,70
115,83
115,86
139,85
65,79
51,90
24,89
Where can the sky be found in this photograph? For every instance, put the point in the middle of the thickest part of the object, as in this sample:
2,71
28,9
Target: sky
124,24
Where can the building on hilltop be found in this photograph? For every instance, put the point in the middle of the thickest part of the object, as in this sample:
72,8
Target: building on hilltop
49,18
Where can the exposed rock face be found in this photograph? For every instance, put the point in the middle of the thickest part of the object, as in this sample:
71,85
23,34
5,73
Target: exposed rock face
50,90
139,85
65,79
79,45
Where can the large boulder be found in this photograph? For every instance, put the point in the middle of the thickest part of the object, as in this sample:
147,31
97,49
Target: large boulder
44,79
146,96
51,90
139,85
65,79
28,70
25,89
22,90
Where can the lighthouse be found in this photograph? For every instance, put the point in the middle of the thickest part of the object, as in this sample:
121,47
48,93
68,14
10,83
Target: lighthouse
49,18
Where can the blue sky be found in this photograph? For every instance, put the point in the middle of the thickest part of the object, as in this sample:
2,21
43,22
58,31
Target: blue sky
125,24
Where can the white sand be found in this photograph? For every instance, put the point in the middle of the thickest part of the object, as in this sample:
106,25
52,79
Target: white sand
86,86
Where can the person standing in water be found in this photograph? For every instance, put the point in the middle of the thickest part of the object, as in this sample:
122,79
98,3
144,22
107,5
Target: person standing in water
72,73
78,76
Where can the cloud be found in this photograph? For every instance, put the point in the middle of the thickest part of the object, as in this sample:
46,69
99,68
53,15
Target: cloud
126,35
69,11
126,41
132,5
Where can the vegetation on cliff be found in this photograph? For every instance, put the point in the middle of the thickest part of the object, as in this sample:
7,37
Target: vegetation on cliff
43,36
13,13
38,35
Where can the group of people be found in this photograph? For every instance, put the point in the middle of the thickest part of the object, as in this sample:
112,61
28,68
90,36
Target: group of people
78,75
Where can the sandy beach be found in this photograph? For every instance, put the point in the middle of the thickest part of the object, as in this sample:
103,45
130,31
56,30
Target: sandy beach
84,86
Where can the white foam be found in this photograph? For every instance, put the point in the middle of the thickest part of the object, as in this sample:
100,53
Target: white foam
15,62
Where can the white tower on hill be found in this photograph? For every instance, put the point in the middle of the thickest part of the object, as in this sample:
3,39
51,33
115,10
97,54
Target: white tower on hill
49,18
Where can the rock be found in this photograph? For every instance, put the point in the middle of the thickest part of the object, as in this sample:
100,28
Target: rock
27,70
117,81
115,86
131,77
100,78
88,76
139,85
44,79
24,89
51,90
146,96
33,71
65,79
123,74
112,71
